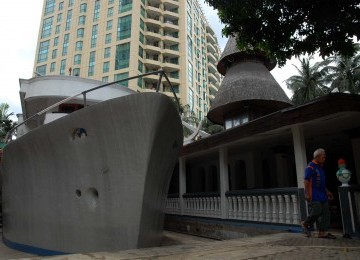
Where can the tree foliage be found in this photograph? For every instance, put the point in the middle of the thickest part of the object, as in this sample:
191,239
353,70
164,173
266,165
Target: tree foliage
6,124
311,82
344,72
284,28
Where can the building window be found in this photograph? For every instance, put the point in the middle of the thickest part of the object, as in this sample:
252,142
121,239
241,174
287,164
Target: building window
43,51
77,59
142,12
190,75
94,35
57,29
141,37
236,121
108,38
59,18
71,3
96,11
121,76
109,25
76,72
190,48
65,45
61,6
49,7
141,52
105,79
140,66
110,12
62,67
80,33
83,8
78,46
46,28
106,66
54,54
189,24
52,67
107,52
82,20
125,5
41,70
142,24
110,2
124,27
56,41
91,64
122,56
68,20
191,99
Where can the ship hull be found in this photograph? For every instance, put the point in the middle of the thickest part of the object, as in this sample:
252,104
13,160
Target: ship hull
95,180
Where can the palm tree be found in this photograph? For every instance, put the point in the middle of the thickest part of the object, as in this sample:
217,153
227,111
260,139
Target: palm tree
345,72
6,124
311,81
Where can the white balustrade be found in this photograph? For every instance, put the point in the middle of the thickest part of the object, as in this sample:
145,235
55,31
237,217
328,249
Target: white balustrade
272,208
281,208
287,209
295,218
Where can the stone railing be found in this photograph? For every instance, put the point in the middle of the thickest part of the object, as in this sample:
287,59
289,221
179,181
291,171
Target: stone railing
205,204
265,205
271,205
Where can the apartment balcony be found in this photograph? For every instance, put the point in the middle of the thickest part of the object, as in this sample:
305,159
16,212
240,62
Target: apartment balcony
152,62
153,34
153,21
171,24
170,38
152,47
211,47
211,58
212,68
170,65
170,13
170,4
212,77
210,38
173,81
153,2
212,88
170,52
211,97
153,9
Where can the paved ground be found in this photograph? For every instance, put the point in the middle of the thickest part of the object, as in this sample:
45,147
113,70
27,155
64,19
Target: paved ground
179,246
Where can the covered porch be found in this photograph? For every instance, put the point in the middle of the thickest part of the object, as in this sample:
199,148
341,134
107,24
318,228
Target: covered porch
254,173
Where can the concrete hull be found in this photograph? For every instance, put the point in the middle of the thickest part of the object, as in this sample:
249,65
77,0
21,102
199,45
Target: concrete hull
99,189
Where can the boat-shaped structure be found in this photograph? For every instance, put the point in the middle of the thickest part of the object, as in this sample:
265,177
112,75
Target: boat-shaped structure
93,180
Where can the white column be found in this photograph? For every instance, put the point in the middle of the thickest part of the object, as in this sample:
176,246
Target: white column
300,153
224,181
182,183
355,143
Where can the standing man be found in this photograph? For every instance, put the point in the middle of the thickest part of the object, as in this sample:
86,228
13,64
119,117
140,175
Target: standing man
317,195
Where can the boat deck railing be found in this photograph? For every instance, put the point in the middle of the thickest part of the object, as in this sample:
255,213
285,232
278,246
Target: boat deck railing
161,74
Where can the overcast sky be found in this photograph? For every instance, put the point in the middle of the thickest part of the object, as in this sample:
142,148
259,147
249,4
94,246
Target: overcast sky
19,26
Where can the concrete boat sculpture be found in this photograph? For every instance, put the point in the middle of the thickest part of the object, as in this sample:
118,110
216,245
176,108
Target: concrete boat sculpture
93,180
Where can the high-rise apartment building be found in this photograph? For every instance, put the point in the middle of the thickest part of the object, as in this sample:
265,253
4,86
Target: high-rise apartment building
110,40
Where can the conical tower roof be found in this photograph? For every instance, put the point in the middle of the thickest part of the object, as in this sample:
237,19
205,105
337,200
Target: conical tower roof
247,87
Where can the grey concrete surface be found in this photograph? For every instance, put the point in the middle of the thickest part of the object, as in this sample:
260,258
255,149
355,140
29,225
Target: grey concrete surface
100,191
271,246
